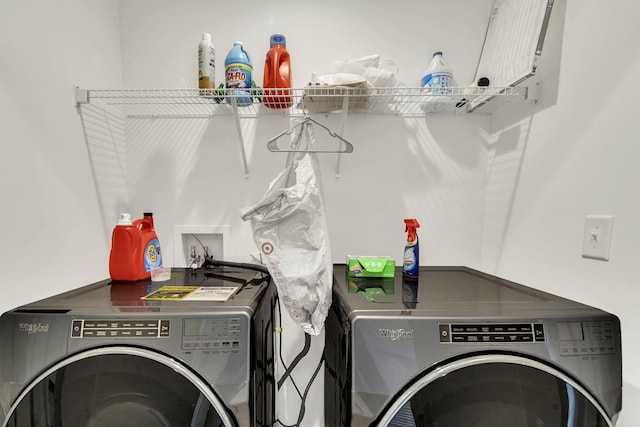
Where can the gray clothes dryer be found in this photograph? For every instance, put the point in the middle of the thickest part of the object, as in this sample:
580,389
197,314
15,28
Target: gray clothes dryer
102,356
464,348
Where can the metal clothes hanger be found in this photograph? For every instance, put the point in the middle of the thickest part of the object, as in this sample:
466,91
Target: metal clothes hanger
272,145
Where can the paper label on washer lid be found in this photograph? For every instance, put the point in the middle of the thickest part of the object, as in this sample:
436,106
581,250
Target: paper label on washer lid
192,293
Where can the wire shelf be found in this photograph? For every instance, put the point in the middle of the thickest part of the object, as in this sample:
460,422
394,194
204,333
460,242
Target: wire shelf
201,103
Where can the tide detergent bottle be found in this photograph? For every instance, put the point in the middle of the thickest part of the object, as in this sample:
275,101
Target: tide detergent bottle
238,69
411,259
277,74
135,249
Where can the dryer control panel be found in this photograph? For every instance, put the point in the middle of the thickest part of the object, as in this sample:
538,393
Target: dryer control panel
586,338
491,332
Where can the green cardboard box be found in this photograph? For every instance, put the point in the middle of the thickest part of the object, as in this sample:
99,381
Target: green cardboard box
370,266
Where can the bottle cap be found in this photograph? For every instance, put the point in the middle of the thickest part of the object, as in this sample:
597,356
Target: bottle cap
278,39
437,53
238,43
206,36
125,219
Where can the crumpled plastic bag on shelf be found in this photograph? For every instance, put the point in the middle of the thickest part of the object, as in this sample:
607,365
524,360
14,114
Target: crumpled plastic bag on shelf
290,230
378,72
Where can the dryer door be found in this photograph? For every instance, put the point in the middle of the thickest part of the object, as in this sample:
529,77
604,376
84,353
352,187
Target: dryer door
496,391
118,386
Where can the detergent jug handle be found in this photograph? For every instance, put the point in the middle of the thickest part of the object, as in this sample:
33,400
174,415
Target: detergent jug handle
143,224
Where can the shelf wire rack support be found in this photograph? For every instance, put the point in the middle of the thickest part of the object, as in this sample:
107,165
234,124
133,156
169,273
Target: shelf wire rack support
243,152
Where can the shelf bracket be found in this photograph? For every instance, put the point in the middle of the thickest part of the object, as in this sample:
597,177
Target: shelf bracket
236,117
534,92
81,96
343,125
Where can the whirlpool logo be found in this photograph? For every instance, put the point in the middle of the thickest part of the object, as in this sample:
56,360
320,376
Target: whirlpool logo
33,328
396,334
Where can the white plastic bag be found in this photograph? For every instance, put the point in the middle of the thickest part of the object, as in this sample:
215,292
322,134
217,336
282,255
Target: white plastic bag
290,230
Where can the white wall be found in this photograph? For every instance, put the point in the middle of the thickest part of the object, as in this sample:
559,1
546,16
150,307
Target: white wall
549,165
575,157
433,169
51,236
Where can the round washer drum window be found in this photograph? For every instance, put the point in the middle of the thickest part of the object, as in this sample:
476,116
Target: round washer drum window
117,390
496,394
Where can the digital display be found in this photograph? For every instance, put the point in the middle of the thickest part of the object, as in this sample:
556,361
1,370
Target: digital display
193,327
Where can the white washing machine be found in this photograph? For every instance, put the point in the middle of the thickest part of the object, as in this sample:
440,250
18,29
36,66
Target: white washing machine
103,356
464,348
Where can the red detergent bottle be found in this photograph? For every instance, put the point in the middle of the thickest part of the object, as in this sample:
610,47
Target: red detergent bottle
135,249
277,74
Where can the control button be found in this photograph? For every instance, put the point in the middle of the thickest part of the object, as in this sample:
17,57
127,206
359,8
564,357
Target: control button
538,331
444,333
76,328
164,328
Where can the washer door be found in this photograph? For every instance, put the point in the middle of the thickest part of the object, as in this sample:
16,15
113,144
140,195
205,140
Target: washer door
494,391
118,386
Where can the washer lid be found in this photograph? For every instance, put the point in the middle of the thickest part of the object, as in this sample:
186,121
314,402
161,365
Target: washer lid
246,289
448,291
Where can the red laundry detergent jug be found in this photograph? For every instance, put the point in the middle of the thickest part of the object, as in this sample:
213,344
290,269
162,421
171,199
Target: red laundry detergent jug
135,249
277,74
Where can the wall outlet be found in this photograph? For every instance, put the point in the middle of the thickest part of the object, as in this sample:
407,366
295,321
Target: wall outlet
190,241
596,241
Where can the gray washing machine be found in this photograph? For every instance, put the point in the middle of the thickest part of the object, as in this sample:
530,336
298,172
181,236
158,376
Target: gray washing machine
102,356
464,348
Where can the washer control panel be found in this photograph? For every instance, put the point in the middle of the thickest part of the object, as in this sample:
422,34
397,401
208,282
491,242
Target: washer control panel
491,332
120,328
214,334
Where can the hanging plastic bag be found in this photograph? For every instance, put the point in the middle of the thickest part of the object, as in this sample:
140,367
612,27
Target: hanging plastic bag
290,230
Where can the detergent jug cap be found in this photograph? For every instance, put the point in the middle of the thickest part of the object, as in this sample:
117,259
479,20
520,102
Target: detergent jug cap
278,39
125,219
437,53
206,36
237,43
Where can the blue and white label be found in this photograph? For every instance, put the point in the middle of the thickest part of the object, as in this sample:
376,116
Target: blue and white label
436,83
152,255
409,262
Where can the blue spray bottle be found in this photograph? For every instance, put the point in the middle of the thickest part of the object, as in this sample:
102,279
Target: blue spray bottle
411,260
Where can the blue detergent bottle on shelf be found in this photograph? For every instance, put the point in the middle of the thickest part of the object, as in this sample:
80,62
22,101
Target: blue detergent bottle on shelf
238,69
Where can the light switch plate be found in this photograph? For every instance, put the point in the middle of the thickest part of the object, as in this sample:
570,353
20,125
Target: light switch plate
596,242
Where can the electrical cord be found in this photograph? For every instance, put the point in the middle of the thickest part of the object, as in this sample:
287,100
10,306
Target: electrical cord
289,369
210,261
298,358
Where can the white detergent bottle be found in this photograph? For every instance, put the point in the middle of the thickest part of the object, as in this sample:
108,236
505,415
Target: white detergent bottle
438,79
206,63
